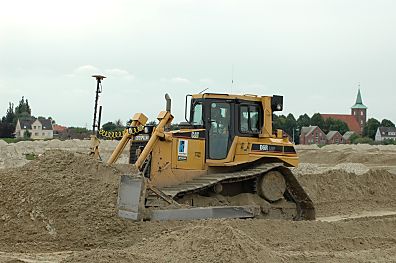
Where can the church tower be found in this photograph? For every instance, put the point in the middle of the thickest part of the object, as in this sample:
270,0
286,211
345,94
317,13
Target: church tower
359,110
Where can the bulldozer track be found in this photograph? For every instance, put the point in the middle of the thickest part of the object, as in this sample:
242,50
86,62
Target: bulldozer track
305,208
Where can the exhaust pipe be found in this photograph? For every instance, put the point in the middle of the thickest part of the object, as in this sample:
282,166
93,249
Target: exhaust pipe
168,102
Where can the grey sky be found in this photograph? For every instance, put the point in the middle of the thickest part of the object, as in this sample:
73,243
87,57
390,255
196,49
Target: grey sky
314,52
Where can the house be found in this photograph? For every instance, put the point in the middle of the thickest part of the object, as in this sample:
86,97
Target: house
334,137
38,128
347,136
59,130
312,135
385,133
357,119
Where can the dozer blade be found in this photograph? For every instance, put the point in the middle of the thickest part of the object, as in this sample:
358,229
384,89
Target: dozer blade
214,212
131,199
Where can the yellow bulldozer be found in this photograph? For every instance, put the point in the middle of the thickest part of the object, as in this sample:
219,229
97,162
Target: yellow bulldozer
227,147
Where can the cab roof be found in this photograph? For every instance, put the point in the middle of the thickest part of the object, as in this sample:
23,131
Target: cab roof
249,97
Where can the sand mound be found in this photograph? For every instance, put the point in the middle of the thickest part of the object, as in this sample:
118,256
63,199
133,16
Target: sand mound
384,155
212,241
13,154
215,241
340,192
311,168
61,196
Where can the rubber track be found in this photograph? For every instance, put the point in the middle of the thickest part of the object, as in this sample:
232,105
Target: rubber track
305,209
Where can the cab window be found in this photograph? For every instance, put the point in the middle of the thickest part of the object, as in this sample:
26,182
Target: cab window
249,118
197,114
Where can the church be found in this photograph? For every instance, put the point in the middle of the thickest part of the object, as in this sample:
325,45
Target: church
357,119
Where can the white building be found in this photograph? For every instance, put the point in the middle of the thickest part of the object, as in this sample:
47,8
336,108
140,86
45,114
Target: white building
39,129
384,133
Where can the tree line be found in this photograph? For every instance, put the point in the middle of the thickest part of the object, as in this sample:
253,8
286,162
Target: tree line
290,124
287,123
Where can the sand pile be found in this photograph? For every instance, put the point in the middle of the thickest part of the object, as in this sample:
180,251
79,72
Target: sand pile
61,197
379,155
13,154
335,157
312,168
212,241
340,192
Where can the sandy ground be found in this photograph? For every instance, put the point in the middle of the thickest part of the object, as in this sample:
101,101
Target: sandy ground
14,154
61,208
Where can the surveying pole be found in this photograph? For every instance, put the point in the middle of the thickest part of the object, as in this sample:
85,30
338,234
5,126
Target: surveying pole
94,139
95,125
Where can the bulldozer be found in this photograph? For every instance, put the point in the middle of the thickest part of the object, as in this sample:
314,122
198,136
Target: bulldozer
226,148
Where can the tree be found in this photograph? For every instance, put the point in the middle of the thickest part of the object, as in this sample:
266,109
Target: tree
389,142
387,123
8,122
112,127
7,125
6,129
278,122
119,123
109,126
291,124
22,111
27,134
370,129
363,140
317,120
335,125
10,114
303,121
354,137
153,123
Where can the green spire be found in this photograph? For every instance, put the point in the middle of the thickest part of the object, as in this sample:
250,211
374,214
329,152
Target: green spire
359,103
359,98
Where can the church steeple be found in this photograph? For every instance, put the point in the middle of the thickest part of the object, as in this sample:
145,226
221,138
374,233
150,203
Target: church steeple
359,103
359,111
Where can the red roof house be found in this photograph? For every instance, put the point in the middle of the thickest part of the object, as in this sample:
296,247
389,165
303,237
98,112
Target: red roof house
357,119
58,128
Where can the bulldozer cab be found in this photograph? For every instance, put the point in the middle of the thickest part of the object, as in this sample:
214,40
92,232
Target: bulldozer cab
223,119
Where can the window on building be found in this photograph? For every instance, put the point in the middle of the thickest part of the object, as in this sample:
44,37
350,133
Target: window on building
43,133
361,113
36,133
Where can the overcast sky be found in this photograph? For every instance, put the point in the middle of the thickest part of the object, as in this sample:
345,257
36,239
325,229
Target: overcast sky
314,52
